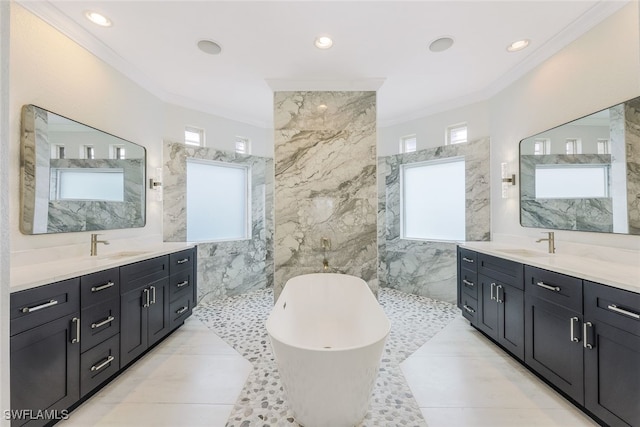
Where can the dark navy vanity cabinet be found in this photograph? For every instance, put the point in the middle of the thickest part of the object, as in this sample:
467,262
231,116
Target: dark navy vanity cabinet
71,337
583,338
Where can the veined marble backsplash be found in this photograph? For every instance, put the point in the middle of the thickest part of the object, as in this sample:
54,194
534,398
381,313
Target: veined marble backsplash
423,267
231,267
325,184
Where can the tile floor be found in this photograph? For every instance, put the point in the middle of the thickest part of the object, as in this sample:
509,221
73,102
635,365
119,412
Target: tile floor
457,378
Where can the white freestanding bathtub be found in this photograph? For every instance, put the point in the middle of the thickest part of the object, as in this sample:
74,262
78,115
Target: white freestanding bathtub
328,332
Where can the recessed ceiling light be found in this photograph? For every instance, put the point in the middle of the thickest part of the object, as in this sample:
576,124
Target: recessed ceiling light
323,42
98,18
441,44
518,45
210,47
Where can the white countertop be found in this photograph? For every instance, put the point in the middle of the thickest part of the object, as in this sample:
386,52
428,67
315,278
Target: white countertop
38,274
618,275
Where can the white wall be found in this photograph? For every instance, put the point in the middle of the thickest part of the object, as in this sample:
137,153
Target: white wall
430,131
4,208
600,69
220,133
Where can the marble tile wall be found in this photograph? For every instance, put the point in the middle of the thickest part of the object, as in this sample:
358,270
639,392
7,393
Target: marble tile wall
325,184
224,268
586,214
632,142
423,267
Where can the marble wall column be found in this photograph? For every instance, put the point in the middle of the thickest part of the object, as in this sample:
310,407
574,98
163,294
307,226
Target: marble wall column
325,184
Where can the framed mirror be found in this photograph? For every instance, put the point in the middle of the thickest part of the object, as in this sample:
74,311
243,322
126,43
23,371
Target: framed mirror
584,175
77,178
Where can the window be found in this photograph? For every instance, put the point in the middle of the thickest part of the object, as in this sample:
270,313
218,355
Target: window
194,136
57,151
408,144
243,145
572,181
603,146
456,134
218,205
87,152
433,200
117,152
573,146
90,184
541,146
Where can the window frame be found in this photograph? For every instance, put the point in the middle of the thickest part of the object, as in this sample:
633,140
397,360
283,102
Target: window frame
247,144
248,235
450,128
403,143
403,221
196,130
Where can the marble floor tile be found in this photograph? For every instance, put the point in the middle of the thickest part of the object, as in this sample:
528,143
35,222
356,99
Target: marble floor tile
505,417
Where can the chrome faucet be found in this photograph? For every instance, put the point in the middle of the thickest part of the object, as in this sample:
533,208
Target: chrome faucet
325,242
94,244
551,240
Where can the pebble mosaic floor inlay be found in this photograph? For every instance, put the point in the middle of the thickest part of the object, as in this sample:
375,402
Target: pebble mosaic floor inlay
239,320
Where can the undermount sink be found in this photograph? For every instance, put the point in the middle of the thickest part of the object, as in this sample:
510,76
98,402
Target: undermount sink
124,254
524,252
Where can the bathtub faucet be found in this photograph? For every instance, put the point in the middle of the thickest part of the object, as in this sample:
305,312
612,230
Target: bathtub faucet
325,264
325,243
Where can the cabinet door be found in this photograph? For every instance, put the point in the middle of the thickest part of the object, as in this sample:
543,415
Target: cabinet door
612,375
511,319
549,347
487,320
158,311
133,325
44,367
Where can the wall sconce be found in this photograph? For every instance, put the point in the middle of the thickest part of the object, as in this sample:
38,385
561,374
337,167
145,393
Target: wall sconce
156,184
508,180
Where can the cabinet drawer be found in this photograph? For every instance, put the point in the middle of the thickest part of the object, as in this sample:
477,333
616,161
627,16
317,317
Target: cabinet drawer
180,261
554,287
616,307
180,310
504,270
467,259
469,308
99,322
37,306
469,283
141,273
180,284
100,286
99,364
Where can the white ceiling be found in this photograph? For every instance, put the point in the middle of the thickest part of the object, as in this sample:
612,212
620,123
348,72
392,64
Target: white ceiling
268,45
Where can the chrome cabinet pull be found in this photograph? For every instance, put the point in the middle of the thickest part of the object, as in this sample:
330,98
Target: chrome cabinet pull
103,364
467,259
104,322
573,335
551,288
182,310
493,287
51,303
616,309
469,309
153,291
585,326
499,290
145,293
465,281
182,261
102,287
76,339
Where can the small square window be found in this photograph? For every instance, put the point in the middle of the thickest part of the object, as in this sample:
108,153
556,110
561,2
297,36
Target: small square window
118,152
457,134
87,152
57,151
194,136
541,146
604,147
573,146
243,145
408,144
